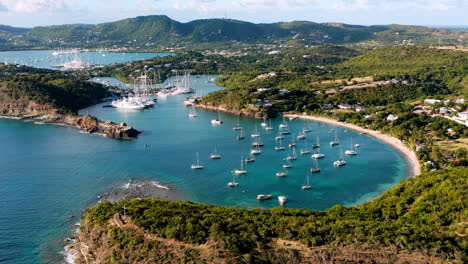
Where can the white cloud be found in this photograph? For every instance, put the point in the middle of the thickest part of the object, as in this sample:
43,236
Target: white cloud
201,6
35,6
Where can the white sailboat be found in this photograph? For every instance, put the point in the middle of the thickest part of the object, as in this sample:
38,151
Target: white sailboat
279,146
341,161
264,197
255,133
292,156
282,200
306,150
279,138
256,151
282,173
233,183
306,186
351,151
237,127
269,127
241,170
301,136
216,121
316,168
264,124
241,135
317,145
258,142
192,113
336,141
250,158
292,144
284,124
318,155
197,166
308,129
288,164
215,154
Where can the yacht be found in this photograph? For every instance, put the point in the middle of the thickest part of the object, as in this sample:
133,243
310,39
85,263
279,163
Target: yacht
280,146
283,125
317,145
307,130
282,173
215,154
255,133
192,113
288,165
306,186
279,138
351,151
197,166
264,196
264,124
301,136
318,155
292,156
237,127
316,168
251,158
256,151
341,161
241,135
269,127
357,145
241,170
336,141
306,150
282,199
128,103
233,183
216,121
292,144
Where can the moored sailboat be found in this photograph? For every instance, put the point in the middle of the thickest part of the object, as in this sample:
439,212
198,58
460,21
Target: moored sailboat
197,166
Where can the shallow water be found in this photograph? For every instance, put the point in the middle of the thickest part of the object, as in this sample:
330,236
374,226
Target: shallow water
52,172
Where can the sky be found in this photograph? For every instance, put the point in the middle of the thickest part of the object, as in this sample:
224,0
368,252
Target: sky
29,13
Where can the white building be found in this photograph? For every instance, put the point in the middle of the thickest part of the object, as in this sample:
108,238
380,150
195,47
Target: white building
392,118
432,101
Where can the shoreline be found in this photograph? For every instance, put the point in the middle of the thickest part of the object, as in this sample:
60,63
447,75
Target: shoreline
414,168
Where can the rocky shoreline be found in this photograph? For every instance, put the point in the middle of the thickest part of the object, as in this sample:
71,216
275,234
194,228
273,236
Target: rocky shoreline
246,112
77,249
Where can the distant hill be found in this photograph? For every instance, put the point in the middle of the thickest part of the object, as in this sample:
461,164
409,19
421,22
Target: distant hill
159,31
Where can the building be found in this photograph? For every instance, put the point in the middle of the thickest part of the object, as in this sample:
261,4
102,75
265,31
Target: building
283,91
432,101
261,90
392,117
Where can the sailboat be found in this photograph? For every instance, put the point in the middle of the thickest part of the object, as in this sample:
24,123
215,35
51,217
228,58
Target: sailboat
306,150
283,125
318,155
285,132
256,151
292,156
306,186
282,173
237,127
197,166
255,133
282,200
280,146
216,121
241,135
341,161
336,141
316,168
258,142
250,158
264,197
279,137
351,151
307,130
301,136
233,183
241,170
288,164
269,127
317,145
292,144
193,113
215,154
264,124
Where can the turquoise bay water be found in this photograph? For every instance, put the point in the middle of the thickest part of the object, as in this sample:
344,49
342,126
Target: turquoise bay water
45,59
52,172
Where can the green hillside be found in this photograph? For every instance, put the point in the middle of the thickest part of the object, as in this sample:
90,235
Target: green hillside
424,215
158,31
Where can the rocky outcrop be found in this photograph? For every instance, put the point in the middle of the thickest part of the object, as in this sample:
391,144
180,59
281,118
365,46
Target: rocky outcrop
24,108
91,124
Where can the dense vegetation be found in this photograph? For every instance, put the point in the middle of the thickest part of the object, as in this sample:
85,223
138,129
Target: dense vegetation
158,32
60,90
423,214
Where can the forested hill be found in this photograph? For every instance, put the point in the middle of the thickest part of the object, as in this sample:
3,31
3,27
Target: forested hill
158,31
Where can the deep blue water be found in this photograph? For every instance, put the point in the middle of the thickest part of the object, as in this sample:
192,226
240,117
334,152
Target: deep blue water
51,172
45,59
